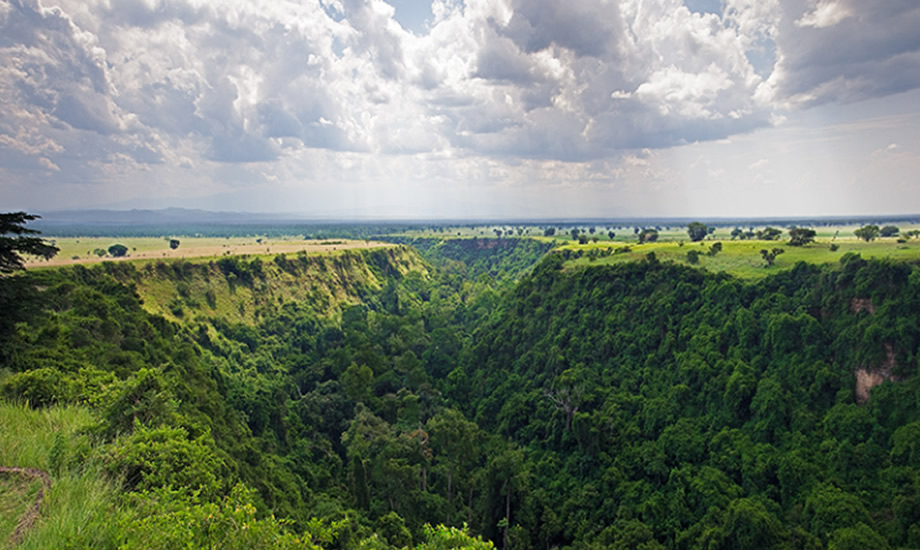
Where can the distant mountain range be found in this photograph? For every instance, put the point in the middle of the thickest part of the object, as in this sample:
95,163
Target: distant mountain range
169,216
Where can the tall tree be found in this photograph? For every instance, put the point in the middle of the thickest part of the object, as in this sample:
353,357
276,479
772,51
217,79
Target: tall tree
867,232
16,239
799,236
697,231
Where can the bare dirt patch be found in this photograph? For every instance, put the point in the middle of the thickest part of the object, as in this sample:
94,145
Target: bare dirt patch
867,379
862,304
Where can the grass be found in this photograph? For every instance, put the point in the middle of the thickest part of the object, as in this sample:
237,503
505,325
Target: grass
74,250
75,511
17,493
743,259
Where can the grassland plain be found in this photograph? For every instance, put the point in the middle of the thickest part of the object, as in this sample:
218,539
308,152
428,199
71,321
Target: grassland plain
81,250
742,258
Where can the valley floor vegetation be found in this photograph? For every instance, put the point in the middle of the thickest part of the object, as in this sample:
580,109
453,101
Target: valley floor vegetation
468,392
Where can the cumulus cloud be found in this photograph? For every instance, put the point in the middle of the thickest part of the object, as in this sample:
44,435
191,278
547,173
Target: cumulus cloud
85,84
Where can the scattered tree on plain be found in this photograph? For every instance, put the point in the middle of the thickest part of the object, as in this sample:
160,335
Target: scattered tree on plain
648,236
800,236
889,231
770,255
867,232
173,243
768,234
697,231
118,250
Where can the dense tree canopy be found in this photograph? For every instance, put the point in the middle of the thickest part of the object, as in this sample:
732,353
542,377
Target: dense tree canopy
636,405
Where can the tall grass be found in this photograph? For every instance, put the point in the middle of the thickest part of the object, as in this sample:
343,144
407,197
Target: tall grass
78,510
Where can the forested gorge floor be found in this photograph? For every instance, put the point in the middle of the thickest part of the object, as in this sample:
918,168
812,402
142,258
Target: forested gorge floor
347,403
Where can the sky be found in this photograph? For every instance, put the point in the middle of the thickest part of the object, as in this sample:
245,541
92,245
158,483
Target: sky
462,108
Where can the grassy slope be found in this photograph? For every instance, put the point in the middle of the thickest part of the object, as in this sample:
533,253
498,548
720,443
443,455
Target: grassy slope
183,290
49,439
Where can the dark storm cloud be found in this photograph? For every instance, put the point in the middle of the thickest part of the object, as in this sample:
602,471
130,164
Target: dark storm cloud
848,50
586,27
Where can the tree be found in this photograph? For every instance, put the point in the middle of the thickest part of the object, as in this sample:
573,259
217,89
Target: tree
648,236
867,232
697,231
611,234
118,250
15,239
173,243
549,231
770,255
769,234
714,249
574,233
890,231
737,233
693,256
799,236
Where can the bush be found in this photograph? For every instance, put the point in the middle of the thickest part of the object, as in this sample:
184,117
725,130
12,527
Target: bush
693,257
168,519
118,250
165,457
40,387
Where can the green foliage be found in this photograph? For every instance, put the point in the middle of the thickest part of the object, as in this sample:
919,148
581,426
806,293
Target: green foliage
868,232
118,250
151,458
639,405
889,231
768,234
800,236
441,537
769,256
693,257
648,236
16,239
167,519
697,231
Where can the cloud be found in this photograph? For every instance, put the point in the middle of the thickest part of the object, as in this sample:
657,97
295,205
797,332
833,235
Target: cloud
845,51
99,88
825,14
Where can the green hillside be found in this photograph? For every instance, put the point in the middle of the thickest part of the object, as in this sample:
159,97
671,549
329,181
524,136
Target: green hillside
356,400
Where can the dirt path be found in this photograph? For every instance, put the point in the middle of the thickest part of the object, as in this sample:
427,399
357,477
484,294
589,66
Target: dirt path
31,514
